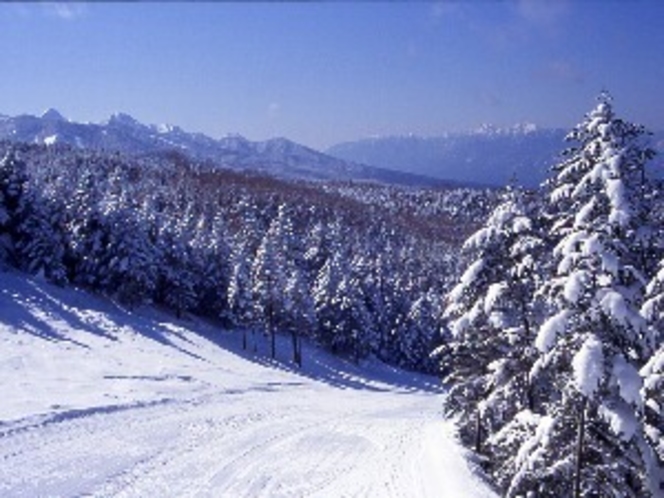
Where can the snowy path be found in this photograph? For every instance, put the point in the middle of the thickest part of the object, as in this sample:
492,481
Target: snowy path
97,402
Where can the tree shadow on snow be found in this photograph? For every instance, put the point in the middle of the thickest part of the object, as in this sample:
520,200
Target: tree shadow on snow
48,312
321,366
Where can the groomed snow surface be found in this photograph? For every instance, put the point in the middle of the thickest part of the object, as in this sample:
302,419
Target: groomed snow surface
100,401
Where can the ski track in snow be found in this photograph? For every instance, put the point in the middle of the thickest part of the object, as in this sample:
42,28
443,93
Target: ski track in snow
98,401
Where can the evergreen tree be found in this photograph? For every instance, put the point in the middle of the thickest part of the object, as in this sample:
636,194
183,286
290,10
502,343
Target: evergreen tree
12,185
239,298
269,274
419,334
591,439
213,252
177,280
87,231
299,311
41,244
653,371
132,260
491,317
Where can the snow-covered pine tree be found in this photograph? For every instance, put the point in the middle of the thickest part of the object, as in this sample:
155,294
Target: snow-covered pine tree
132,260
590,439
492,319
653,372
12,183
213,251
41,244
243,247
653,394
299,311
269,274
240,310
420,333
177,280
86,229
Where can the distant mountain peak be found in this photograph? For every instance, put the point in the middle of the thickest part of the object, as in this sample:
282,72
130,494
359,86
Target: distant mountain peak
166,128
123,119
52,115
524,128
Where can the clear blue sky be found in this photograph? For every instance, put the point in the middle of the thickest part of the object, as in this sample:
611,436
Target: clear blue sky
320,73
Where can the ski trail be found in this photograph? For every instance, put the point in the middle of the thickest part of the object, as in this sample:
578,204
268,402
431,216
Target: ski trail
115,404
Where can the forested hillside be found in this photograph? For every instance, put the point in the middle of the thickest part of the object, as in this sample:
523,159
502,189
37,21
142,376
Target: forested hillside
361,269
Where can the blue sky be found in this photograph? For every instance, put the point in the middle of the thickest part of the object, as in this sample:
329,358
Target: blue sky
321,73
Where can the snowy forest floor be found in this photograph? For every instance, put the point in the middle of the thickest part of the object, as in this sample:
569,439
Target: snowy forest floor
100,401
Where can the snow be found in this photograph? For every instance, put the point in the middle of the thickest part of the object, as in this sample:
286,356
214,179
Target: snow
550,330
100,401
472,272
585,214
588,366
575,286
493,296
613,304
50,140
620,208
533,449
628,379
621,419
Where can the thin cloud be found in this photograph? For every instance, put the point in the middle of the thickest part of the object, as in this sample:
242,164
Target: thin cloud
560,71
444,9
542,12
273,110
64,10
490,99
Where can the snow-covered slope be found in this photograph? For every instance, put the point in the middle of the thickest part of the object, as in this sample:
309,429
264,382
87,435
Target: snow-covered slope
278,157
100,401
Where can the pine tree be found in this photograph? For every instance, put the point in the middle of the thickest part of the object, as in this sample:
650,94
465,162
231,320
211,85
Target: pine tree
87,231
299,311
132,260
491,317
212,249
653,372
594,340
419,333
12,203
41,244
239,298
269,274
177,280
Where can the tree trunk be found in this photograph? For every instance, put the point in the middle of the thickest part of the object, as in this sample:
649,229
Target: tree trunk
530,395
299,352
478,432
270,326
244,339
579,450
296,357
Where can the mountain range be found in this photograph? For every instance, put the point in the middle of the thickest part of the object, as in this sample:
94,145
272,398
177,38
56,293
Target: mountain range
488,155
277,157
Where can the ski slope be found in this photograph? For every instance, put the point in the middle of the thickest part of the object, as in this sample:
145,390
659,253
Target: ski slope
100,401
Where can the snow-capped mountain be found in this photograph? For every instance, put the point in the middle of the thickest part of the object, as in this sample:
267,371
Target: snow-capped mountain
121,132
488,155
